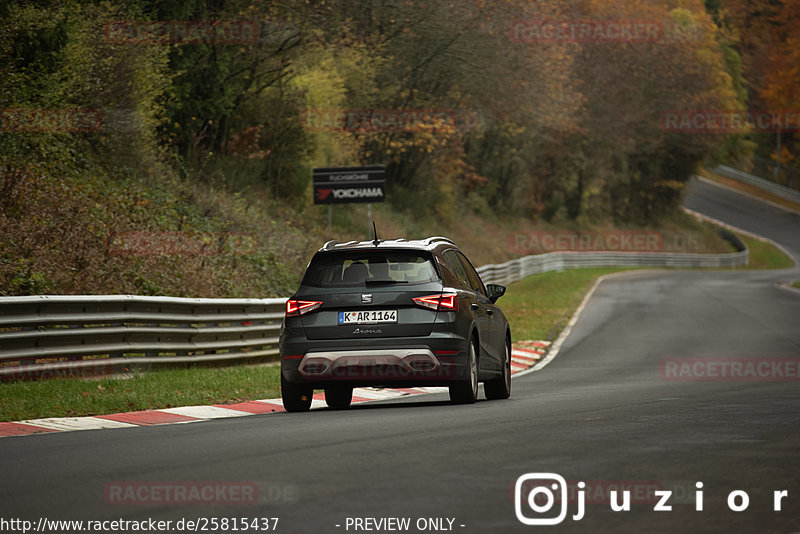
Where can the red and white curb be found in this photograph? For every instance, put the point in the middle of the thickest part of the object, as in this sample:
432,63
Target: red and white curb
524,355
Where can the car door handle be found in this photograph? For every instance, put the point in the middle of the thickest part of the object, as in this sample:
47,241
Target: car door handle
474,306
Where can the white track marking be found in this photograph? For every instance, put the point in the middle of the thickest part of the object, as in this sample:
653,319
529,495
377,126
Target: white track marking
76,423
205,412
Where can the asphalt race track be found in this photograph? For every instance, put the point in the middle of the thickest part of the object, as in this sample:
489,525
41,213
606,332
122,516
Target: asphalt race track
604,411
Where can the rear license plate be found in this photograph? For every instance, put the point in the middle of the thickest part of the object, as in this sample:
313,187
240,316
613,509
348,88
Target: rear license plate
368,317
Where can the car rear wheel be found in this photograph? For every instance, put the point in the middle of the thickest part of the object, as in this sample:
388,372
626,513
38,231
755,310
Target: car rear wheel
500,387
338,398
296,397
466,391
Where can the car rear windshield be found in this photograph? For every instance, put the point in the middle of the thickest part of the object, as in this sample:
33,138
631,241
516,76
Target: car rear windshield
373,267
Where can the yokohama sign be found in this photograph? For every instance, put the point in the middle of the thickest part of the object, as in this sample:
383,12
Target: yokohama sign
351,194
342,185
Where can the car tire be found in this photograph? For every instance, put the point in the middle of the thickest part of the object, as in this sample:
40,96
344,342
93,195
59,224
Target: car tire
500,387
296,397
466,391
338,398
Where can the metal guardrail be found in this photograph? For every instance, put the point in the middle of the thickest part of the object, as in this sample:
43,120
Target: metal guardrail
761,183
98,335
514,270
768,169
95,335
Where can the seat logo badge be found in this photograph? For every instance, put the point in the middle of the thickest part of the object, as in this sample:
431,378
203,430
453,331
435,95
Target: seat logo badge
366,298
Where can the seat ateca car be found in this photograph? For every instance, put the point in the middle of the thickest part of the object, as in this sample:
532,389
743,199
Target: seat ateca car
393,313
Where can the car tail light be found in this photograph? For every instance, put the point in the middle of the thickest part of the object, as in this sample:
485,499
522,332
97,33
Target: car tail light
438,302
300,307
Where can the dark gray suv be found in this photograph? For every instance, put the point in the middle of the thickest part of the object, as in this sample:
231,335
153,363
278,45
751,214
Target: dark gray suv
393,313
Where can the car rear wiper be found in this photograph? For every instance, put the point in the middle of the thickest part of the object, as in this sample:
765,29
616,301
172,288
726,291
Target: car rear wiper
375,282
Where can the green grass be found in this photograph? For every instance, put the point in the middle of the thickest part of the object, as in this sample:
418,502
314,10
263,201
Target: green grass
796,284
70,397
764,255
539,306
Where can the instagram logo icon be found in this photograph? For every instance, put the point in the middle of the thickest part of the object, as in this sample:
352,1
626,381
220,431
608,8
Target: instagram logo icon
536,495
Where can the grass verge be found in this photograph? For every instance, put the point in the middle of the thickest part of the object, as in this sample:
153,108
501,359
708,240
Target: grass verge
539,306
765,255
796,284
164,388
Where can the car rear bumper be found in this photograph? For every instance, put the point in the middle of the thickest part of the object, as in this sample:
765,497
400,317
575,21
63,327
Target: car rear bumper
377,364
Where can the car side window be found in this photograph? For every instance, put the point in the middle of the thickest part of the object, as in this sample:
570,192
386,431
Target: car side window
475,282
448,278
457,268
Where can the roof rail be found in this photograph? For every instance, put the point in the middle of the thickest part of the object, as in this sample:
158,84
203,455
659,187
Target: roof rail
431,240
329,244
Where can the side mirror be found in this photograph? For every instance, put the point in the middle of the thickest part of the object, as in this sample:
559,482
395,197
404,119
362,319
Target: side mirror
495,291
